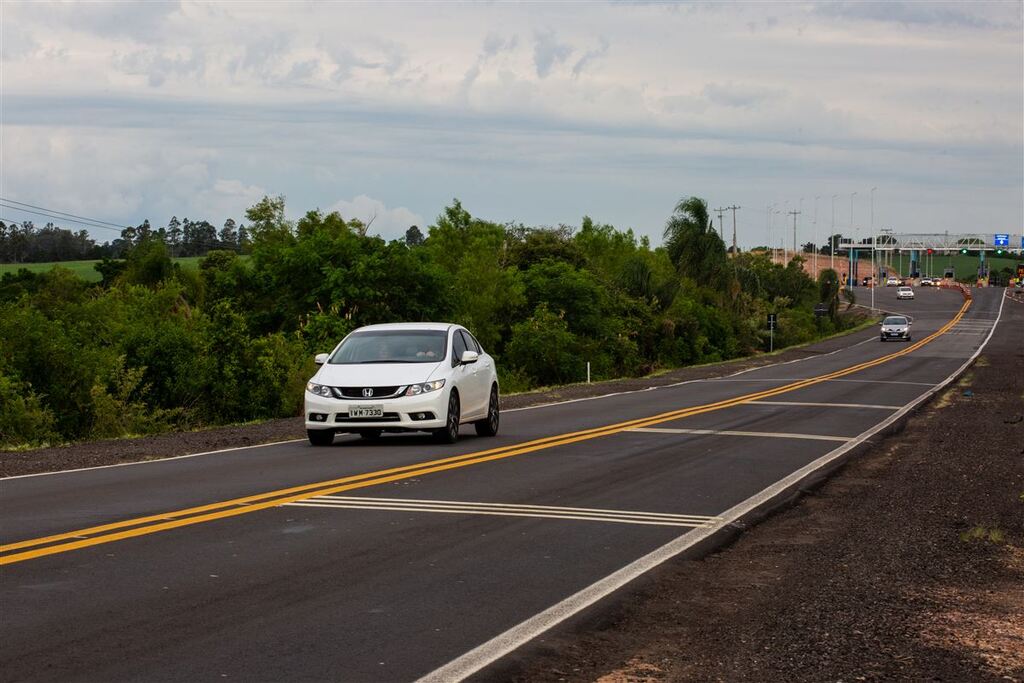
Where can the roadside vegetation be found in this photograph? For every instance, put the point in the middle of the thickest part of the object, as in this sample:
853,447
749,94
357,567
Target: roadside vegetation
155,344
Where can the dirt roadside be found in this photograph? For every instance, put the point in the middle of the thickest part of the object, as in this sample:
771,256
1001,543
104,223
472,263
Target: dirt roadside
908,564
117,451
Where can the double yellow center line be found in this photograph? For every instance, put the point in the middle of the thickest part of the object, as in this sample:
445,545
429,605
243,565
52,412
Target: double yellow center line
130,528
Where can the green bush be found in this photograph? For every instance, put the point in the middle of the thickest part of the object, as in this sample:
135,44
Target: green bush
24,419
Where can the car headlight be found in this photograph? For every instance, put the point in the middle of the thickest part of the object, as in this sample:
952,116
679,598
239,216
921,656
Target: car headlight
319,390
417,389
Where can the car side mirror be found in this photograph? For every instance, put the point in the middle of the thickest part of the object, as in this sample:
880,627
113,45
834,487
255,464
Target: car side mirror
320,358
469,357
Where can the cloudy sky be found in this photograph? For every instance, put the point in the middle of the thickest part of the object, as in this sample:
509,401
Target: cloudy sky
539,113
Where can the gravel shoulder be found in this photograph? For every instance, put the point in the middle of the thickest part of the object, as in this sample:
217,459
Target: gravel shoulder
908,564
118,451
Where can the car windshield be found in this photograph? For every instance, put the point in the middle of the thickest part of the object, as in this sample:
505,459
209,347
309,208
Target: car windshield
392,346
895,320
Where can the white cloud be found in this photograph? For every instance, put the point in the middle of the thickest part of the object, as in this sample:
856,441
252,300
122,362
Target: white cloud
388,223
548,52
533,111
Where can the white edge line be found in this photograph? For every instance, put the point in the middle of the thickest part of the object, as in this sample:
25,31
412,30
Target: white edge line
508,410
520,634
150,462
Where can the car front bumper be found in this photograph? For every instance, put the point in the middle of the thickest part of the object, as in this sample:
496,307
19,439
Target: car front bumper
403,413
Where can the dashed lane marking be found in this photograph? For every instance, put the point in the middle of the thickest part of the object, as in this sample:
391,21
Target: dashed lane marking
731,432
812,404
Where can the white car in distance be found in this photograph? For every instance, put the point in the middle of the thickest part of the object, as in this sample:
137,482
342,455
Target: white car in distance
404,377
904,293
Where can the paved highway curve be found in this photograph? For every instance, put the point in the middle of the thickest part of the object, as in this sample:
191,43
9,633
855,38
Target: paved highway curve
403,559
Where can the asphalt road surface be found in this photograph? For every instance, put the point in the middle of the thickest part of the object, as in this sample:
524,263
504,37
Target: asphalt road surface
404,559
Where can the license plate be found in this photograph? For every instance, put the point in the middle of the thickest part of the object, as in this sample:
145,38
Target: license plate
366,411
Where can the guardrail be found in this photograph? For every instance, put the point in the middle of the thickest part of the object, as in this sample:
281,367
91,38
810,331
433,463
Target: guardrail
963,289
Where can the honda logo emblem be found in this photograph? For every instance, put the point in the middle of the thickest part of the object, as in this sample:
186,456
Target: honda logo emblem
367,392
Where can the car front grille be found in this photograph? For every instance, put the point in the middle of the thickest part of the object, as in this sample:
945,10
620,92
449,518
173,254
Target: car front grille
357,392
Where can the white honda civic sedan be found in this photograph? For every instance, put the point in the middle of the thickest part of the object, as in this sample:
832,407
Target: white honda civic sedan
403,377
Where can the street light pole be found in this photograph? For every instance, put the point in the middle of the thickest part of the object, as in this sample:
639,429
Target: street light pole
814,237
794,214
853,252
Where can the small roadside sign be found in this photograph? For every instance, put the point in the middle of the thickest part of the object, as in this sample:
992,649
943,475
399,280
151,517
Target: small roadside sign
771,331
772,320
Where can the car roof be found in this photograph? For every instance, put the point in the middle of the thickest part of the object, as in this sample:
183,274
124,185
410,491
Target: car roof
439,327
444,327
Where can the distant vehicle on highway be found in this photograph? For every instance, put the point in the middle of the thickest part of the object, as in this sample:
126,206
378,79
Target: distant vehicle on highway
904,293
428,377
895,327
892,281
926,282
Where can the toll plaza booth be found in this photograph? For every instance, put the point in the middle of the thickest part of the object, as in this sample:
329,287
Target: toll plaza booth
928,254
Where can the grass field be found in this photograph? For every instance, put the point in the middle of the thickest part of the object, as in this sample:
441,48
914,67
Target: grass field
933,266
83,269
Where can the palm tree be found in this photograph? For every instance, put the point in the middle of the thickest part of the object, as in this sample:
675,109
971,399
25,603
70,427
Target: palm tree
692,243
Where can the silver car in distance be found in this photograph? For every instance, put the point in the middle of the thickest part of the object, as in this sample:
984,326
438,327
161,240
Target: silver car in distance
896,327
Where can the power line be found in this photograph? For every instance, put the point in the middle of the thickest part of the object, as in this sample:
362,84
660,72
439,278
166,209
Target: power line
62,218
84,220
63,213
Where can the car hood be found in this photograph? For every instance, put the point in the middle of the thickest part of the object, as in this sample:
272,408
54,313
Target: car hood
893,328
374,374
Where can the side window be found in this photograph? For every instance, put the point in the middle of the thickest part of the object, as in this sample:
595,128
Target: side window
472,343
458,346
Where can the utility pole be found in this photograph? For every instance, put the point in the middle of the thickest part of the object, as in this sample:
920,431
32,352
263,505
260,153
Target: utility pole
733,209
721,225
794,214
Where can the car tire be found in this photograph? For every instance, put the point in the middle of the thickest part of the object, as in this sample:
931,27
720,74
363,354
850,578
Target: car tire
882,339
320,437
908,337
371,434
489,425
450,432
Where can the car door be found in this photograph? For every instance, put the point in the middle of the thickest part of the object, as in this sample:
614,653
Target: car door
463,378
482,371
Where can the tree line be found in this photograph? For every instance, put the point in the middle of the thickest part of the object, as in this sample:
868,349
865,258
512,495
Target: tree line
26,243
155,346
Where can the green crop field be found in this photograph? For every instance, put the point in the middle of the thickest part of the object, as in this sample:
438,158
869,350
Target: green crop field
84,269
934,265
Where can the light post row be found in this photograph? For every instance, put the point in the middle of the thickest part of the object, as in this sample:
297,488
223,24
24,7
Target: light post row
771,211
